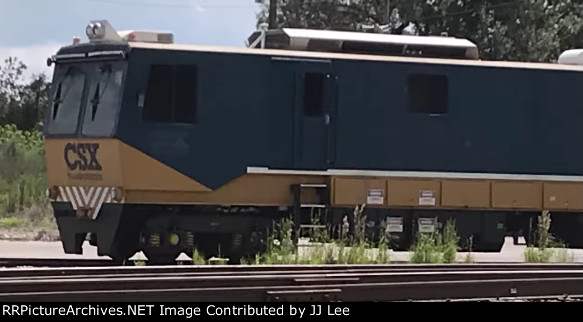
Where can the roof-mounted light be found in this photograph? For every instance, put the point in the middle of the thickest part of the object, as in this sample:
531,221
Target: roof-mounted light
95,30
101,30
162,37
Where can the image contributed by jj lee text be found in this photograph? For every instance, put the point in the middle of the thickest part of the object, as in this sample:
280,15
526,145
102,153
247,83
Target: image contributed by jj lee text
185,311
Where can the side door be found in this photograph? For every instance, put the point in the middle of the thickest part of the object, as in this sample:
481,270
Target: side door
315,114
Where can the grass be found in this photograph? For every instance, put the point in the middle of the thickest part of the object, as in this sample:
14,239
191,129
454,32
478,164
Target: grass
439,246
198,258
282,250
356,250
11,222
469,258
546,248
23,180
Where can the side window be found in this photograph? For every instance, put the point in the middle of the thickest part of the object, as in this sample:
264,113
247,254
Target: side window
428,93
314,94
171,95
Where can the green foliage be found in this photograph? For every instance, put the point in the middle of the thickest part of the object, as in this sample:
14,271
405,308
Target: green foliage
426,250
22,102
437,247
469,258
280,246
22,174
22,140
334,14
356,250
11,222
198,258
522,30
23,178
546,247
538,255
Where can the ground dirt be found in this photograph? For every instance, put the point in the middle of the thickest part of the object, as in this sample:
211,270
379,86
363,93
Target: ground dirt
29,234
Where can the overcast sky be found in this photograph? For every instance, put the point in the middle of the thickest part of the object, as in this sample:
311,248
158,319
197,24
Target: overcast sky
32,30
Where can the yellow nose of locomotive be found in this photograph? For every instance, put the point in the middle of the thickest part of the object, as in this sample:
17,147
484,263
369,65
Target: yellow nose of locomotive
85,173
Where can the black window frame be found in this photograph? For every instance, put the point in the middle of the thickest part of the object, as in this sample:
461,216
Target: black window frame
314,81
153,106
428,93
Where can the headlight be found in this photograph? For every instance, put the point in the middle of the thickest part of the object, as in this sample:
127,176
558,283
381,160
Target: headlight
94,30
52,193
89,30
117,194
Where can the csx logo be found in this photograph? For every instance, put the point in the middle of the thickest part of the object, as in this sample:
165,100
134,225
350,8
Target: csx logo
82,156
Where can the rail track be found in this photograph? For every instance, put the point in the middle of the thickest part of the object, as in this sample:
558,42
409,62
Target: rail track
54,262
75,262
292,283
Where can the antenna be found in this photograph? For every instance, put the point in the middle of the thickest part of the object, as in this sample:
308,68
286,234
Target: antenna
272,14
263,28
388,17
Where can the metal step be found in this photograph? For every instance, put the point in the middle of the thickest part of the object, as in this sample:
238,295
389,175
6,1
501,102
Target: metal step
313,226
312,206
313,185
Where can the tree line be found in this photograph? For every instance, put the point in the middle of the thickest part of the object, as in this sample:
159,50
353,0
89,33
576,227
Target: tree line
22,101
518,30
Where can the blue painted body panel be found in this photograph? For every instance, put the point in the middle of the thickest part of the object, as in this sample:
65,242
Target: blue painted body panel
500,120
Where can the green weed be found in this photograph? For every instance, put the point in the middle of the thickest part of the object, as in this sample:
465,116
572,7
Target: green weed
469,258
439,246
11,222
355,250
198,258
23,180
546,247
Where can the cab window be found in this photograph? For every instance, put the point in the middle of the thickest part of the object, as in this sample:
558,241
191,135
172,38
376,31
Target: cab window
103,100
67,94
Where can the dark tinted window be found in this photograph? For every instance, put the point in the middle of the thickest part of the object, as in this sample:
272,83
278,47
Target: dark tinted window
171,95
103,99
428,93
67,93
314,94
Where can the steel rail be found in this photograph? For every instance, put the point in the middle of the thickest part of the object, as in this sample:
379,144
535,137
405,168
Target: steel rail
272,269
55,262
266,280
354,292
253,274
546,298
